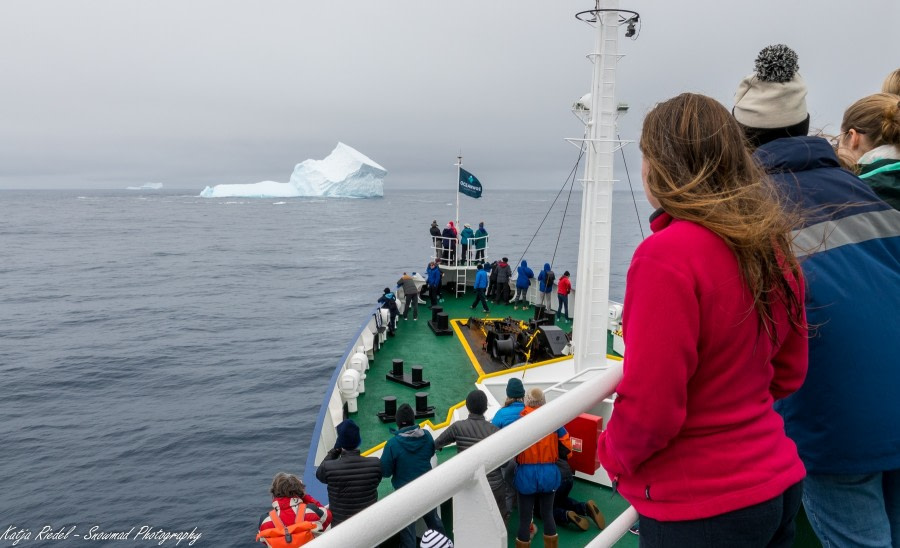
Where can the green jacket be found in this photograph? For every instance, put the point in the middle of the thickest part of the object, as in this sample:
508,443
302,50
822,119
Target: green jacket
481,234
465,235
407,455
884,178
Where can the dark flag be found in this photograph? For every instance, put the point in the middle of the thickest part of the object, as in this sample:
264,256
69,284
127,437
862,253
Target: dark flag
469,184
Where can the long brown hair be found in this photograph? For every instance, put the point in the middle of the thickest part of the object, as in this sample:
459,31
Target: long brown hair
701,170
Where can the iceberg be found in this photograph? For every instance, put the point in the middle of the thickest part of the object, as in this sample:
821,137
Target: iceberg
345,173
146,186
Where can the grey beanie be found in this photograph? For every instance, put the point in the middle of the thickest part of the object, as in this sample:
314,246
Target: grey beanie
535,397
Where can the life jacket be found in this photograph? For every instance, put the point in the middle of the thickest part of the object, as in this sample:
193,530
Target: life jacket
287,536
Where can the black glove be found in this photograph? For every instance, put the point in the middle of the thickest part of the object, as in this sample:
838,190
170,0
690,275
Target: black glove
333,453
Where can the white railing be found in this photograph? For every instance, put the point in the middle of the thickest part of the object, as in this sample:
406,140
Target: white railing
463,478
450,251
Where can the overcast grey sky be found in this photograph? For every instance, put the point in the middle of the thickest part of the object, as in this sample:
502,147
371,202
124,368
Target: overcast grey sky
112,93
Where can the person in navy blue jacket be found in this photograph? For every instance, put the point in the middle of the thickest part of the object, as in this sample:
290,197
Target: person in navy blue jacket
844,418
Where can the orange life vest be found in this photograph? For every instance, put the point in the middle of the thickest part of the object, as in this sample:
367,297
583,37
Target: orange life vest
287,536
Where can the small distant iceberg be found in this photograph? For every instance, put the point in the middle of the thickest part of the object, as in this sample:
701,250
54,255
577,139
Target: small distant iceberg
146,186
345,173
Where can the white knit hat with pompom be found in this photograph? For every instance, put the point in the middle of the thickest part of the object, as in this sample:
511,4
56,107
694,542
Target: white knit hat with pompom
775,95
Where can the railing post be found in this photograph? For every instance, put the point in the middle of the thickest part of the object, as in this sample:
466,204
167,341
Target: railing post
476,515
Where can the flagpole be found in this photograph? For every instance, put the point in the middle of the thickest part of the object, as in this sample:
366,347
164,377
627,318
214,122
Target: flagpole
458,178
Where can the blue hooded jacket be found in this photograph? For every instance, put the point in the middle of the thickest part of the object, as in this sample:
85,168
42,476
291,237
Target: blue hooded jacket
481,279
543,277
433,276
844,418
525,275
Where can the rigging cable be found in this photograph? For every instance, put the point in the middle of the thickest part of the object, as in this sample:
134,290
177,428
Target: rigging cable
633,199
570,180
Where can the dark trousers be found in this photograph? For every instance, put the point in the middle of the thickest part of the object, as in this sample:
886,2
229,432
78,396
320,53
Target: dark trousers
503,293
465,254
526,507
433,293
479,255
412,301
479,297
770,523
563,503
408,533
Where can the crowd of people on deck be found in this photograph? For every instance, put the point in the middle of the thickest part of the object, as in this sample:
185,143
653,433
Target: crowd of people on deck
761,319
470,243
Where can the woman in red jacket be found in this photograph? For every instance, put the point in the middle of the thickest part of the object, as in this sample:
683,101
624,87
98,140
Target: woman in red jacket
715,332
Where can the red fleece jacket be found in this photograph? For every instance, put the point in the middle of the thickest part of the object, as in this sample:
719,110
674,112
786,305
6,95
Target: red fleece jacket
693,433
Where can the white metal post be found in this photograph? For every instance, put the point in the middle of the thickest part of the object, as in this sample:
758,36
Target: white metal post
592,292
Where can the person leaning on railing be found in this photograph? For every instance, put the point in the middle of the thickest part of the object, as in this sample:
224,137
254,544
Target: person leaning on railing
715,329
851,244
352,479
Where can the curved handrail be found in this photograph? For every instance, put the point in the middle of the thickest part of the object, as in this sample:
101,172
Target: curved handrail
380,521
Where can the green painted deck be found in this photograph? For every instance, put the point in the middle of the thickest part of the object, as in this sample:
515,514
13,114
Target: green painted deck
452,375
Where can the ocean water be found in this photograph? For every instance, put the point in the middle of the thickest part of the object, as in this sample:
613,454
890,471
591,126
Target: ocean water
164,355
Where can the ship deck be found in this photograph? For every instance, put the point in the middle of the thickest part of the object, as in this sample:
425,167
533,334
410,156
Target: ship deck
453,369
449,367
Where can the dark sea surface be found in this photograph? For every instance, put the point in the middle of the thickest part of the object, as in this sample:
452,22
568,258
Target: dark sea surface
164,355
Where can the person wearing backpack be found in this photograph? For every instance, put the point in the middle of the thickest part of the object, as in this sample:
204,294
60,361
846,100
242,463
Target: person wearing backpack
388,301
280,527
546,279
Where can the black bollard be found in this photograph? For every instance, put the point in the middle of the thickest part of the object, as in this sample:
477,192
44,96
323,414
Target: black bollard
421,401
390,405
422,408
435,310
397,368
416,373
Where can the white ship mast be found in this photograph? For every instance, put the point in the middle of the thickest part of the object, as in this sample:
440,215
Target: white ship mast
591,303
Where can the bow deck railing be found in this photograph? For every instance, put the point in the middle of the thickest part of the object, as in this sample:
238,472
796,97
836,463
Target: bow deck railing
463,478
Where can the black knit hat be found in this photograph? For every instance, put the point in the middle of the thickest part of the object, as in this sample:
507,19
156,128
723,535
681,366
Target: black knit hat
476,402
348,435
405,415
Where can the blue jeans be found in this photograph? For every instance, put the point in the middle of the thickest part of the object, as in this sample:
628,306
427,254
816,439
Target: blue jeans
408,534
563,303
854,509
770,523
